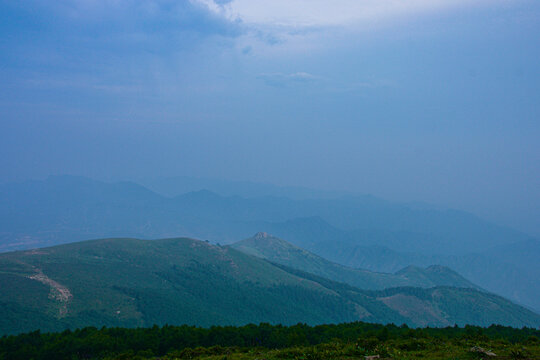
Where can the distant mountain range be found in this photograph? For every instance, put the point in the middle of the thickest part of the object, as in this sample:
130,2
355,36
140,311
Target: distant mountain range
67,208
359,232
179,185
281,252
129,282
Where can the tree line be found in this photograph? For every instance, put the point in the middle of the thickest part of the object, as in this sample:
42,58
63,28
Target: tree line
91,342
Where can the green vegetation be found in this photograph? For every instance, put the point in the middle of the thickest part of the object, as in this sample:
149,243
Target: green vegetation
358,232
264,341
282,252
132,283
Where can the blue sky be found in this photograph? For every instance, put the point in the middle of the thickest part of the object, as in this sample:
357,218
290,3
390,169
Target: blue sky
416,100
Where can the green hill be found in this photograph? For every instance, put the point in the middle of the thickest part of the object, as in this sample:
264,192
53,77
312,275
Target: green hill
130,283
282,252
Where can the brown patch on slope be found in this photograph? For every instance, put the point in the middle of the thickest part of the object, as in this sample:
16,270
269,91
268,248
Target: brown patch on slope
58,292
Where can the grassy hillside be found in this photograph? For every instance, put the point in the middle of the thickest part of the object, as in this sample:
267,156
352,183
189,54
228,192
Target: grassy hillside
437,306
282,252
129,282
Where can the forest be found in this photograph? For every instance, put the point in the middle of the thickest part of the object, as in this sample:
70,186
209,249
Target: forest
266,341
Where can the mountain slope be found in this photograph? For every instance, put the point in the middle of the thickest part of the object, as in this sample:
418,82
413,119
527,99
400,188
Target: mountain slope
129,282
434,274
510,270
279,251
495,274
440,305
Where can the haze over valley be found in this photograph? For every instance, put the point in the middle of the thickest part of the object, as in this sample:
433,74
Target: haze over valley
269,179
333,236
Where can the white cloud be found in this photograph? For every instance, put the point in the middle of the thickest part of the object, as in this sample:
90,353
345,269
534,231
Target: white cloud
322,13
305,26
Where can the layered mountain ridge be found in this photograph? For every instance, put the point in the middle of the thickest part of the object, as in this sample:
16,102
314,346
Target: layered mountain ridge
354,231
130,282
276,250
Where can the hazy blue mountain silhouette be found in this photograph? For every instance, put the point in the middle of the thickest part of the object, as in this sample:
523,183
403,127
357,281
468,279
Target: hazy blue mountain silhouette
358,231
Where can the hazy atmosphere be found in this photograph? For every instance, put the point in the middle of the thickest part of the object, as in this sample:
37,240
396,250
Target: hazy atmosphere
434,101
269,179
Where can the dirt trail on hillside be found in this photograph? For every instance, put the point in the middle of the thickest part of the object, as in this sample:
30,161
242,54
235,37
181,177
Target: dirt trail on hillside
58,291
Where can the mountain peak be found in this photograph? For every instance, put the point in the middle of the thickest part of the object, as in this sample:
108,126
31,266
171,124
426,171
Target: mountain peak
262,235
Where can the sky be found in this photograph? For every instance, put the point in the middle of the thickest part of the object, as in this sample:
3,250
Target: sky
410,100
